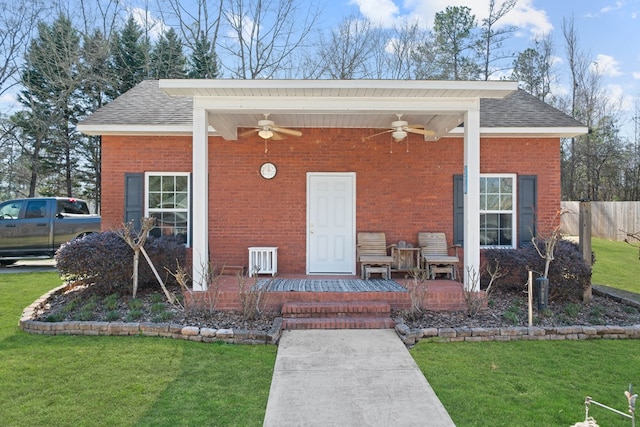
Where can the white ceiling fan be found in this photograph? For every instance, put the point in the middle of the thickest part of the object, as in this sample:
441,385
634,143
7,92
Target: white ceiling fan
400,128
267,129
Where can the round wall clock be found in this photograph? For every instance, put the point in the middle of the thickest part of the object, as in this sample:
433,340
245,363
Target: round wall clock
268,170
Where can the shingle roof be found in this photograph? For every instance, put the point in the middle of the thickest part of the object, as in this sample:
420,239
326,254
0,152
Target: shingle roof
521,109
147,105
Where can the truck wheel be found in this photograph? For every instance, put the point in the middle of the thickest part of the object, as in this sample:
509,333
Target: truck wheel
4,262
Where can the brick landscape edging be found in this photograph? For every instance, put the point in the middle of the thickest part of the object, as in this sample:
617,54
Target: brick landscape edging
166,330
409,336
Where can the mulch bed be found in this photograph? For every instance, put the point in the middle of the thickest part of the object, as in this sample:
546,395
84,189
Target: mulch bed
505,309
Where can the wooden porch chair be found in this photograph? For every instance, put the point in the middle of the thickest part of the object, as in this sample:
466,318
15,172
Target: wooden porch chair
372,255
436,254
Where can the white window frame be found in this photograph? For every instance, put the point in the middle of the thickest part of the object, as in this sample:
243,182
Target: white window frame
513,211
148,210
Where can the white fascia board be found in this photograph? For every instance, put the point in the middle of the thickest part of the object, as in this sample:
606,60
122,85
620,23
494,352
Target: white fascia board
550,132
343,88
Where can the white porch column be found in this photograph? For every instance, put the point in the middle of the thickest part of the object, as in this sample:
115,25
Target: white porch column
200,198
472,196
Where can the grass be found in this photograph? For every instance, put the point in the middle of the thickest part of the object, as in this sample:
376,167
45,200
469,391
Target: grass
144,381
531,383
123,381
617,265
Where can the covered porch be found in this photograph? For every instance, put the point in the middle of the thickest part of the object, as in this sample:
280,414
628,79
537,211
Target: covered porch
227,109
275,292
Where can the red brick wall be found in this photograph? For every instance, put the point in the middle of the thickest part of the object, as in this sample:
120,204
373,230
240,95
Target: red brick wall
401,188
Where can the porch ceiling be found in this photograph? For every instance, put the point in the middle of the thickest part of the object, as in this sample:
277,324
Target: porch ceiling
439,106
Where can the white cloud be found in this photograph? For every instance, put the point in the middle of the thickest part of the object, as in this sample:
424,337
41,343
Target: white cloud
619,96
636,75
525,15
606,65
617,6
154,26
383,12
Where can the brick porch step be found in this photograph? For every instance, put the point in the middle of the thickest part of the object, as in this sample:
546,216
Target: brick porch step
337,315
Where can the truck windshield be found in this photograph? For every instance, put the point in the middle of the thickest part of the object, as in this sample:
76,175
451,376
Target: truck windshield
73,206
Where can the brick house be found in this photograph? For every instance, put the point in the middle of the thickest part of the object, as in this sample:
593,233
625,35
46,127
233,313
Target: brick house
189,153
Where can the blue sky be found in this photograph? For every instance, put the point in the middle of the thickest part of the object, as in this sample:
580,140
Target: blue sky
608,31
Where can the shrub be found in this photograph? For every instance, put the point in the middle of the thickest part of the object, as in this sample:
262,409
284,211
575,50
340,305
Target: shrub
107,260
569,275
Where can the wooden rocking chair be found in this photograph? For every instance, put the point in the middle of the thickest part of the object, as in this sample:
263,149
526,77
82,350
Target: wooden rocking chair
436,256
372,255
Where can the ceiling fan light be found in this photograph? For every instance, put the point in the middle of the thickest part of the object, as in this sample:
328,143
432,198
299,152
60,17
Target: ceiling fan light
265,133
399,135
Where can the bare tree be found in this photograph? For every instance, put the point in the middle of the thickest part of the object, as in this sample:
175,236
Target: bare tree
264,35
18,19
348,52
400,49
491,39
194,21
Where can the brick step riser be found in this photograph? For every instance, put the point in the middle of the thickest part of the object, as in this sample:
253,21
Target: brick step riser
321,315
338,323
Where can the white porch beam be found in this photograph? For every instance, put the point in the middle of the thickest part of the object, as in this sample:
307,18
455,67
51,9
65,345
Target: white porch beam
200,198
472,198
324,105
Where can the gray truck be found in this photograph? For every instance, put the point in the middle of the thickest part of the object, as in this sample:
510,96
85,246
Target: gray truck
36,227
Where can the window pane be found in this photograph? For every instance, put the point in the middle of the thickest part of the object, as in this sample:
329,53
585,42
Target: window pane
506,186
506,202
168,184
182,183
493,185
483,202
154,183
154,200
493,202
182,200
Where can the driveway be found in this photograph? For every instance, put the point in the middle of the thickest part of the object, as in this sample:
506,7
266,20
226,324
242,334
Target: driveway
29,266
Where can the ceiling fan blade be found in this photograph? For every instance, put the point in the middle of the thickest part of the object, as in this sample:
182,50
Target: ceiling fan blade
287,131
249,132
276,136
420,131
416,126
377,134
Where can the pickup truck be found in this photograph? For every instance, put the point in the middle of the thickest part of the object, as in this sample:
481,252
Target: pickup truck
36,227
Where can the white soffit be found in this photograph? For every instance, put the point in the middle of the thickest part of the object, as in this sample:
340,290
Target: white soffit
234,104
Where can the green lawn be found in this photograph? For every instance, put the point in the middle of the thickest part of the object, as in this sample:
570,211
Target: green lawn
616,265
146,381
122,381
532,383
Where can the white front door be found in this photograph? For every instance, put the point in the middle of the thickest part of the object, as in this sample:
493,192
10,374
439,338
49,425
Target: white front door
331,247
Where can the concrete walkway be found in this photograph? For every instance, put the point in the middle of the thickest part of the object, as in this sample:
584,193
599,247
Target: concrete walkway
349,378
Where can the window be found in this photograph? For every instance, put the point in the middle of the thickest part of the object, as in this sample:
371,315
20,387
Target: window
10,210
73,206
497,211
168,201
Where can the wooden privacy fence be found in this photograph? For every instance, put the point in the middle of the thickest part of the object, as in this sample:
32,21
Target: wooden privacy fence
607,219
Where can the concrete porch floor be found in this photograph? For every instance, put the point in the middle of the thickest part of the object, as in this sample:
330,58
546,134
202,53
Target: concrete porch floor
440,294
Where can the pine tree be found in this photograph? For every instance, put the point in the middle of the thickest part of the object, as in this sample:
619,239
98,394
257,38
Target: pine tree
51,98
129,61
167,59
203,61
455,43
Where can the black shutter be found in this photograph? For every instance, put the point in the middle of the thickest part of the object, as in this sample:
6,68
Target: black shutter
134,198
527,203
458,210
